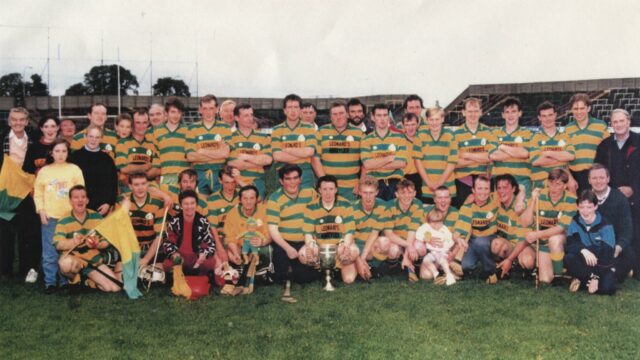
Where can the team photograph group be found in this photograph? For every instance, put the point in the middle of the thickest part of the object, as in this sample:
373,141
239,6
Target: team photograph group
221,205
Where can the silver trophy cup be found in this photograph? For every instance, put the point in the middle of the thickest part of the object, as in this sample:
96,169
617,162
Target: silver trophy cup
328,262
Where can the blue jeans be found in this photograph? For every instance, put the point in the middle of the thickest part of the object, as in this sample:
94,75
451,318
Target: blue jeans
479,250
50,256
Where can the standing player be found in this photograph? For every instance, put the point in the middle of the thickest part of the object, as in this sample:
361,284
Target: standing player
157,115
227,109
208,145
586,133
410,126
309,113
339,151
550,147
384,153
137,153
170,139
511,154
438,156
413,104
293,141
357,115
98,116
474,141
250,150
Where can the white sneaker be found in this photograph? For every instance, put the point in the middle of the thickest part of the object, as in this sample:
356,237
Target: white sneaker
32,276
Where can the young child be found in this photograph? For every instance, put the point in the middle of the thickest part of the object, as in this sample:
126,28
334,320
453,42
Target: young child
590,248
438,256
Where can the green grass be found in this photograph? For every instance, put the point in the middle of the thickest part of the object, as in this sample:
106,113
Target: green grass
387,319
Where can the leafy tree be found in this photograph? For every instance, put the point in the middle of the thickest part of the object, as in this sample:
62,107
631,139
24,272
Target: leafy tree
168,86
11,85
103,80
36,87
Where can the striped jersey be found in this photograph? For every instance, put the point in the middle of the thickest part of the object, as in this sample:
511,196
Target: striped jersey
559,213
339,153
519,168
366,223
236,223
373,147
219,206
201,137
171,147
413,152
300,136
329,226
288,213
174,191
69,226
435,155
131,151
480,141
585,141
402,222
543,142
254,144
108,143
477,220
146,218
508,222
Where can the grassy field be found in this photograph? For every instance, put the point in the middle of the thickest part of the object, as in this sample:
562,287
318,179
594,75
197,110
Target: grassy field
385,320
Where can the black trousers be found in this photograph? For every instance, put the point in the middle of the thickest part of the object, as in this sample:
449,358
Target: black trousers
577,267
299,273
582,178
23,229
624,262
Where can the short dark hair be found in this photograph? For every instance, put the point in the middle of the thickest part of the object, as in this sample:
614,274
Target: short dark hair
136,175
174,102
307,105
291,97
44,119
558,174
124,116
441,188
327,178
511,179
546,105
77,188
187,194
588,195
336,104
248,188
94,105
189,173
580,97
236,110
412,97
481,177
410,117
356,102
598,166
141,111
208,98
511,101
288,168
379,106
226,170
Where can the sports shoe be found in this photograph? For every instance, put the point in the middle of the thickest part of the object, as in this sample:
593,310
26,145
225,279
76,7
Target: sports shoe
32,276
492,279
575,285
50,289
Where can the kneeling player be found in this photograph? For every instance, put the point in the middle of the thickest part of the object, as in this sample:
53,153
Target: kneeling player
328,220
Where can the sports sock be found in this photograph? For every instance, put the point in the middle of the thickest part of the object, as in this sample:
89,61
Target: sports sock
180,286
556,261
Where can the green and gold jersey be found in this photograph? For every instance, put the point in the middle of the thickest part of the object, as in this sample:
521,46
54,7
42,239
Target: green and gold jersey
365,222
543,142
435,155
449,220
585,141
508,222
219,206
146,218
480,141
519,168
373,147
329,226
300,136
253,145
171,147
339,153
174,191
478,220
288,213
402,222
131,151
108,144
551,213
201,137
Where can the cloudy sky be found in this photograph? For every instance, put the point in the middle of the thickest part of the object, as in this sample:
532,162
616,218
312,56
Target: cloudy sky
269,48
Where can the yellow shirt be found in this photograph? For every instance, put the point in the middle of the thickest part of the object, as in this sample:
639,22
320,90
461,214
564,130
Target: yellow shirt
51,190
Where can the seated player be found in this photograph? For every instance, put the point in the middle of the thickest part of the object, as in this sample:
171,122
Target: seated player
439,251
442,201
86,258
590,248
187,239
369,215
551,210
404,215
329,220
146,215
